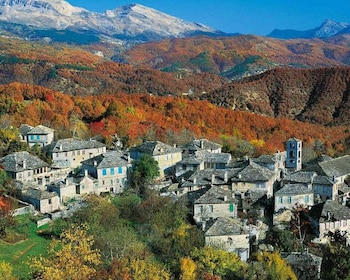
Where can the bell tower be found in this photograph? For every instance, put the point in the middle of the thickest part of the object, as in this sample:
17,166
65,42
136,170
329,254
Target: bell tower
294,152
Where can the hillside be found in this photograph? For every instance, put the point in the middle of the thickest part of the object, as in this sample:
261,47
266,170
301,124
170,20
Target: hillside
135,117
238,56
77,71
313,95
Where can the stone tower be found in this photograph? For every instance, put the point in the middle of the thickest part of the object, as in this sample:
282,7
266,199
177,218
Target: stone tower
294,149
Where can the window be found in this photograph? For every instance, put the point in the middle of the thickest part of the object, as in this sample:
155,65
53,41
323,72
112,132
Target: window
201,209
50,201
120,170
280,199
112,171
211,209
289,199
307,199
38,137
104,172
111,182
232,207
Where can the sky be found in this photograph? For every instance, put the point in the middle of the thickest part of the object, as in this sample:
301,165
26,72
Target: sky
257,17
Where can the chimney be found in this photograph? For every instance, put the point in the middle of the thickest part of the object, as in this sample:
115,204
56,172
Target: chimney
201,143
95,163
86,172
66,181
203,225
24,164
239,175
61,148
194,180
225,197
225,176
212,178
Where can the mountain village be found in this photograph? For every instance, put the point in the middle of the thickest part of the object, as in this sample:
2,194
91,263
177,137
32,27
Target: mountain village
234,201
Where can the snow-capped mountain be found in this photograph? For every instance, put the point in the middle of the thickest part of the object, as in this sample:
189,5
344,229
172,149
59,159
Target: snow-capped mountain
131,20
327,29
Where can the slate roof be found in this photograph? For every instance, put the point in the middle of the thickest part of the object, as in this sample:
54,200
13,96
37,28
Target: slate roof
155,148
225,226
300,177
205,156
301,259
215,157
323,180
265,159
21,161
253,173
294,189
210,176
217,195
40,129
202,144
24,129
70,144
336,167
109,159
251,197
293,139
329,209
38,194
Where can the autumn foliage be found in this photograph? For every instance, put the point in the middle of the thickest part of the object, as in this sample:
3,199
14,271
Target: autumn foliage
143,116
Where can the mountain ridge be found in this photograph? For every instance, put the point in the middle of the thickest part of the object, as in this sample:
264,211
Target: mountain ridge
129,20
327,29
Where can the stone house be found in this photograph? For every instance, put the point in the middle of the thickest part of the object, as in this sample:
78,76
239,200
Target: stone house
110,171
325,188
206,178
338,168
228,234
43,201
69,153
292,195
216,202
202,160
26,168
275,163
254,176
329,216
167,156
66,189
38,135
197,145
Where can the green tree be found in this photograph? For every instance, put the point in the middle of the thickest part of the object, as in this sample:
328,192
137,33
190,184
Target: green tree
145,170
336,259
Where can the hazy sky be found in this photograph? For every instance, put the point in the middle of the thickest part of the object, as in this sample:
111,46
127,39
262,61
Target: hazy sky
258,17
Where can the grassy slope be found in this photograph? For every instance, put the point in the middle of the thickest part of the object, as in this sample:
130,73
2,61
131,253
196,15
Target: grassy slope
18,254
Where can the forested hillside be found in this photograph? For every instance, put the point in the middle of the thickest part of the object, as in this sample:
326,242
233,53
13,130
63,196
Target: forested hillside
234,57
314,95
75,71
171,119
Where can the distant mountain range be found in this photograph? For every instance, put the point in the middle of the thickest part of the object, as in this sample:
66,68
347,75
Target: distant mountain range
57,20
133,22
327,29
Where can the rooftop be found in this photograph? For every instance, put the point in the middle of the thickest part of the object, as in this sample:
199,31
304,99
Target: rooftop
21,161
113,158
155,148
